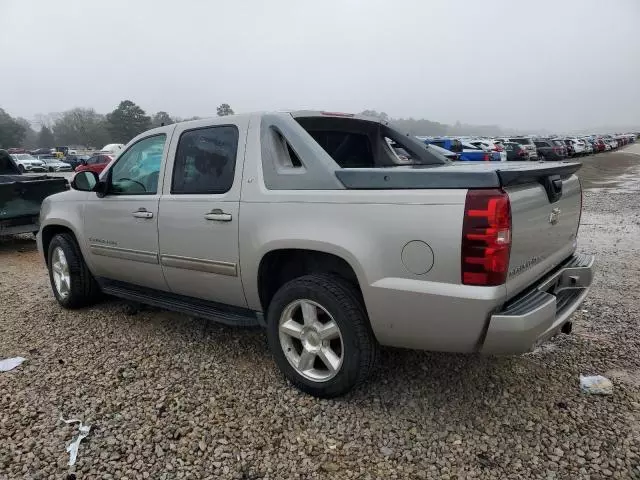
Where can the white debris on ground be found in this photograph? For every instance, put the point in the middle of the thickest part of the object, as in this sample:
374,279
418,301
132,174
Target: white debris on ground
596,385
10,363
72,448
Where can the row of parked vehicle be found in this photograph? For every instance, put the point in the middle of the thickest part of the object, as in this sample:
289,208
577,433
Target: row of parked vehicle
525,148
63,159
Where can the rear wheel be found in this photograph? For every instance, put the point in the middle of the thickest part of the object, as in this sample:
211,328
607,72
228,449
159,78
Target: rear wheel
319,335
71,281
21,168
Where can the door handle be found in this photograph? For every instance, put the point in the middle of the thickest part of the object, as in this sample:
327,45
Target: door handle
142,213
218,216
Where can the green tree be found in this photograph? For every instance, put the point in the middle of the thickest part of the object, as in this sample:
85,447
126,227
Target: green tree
127,121
224,110
11,132
46,138
30,139
81,126
162,118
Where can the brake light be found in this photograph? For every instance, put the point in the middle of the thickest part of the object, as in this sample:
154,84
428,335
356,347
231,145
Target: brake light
498,148
337,114
522,152
486,238
486,157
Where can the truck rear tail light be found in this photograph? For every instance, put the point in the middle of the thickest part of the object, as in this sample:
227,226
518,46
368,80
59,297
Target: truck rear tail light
486,238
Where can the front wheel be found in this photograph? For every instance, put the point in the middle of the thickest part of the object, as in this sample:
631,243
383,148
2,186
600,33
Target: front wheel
71,281
319,335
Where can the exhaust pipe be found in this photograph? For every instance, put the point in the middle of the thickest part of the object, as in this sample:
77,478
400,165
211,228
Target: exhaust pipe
567,327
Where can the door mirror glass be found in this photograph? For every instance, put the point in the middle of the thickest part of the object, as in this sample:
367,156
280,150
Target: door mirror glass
84,181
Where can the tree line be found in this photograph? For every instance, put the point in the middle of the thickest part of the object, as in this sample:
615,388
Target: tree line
86,127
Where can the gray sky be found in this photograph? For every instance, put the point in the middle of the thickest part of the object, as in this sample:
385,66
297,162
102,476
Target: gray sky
559,64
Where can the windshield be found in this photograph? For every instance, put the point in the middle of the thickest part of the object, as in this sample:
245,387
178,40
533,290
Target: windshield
24,156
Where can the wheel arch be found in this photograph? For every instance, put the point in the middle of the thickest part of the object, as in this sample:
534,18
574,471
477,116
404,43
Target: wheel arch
280,265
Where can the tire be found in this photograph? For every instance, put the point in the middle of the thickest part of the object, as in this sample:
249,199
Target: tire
81,289
335,300
51,169
541,157
21,168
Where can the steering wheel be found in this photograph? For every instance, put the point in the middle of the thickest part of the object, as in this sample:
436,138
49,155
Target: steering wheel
133,181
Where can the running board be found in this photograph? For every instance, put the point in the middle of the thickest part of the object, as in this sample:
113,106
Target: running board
218,312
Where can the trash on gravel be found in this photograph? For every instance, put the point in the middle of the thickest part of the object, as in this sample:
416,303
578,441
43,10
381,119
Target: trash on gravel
10,363
596,385
72,448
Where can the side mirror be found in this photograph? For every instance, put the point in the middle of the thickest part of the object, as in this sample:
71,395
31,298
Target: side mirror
84,181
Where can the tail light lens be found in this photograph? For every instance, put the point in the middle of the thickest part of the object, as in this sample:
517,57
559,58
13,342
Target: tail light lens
498,148
486,238
486,157
522,152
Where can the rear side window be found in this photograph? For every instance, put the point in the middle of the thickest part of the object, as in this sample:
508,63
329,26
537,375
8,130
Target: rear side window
205,160
349,150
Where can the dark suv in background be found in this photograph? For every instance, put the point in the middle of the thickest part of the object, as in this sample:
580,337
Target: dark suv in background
549,149
528,144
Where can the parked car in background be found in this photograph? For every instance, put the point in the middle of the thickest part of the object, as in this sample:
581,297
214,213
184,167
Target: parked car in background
21,196
76,160
444,152
496,150
54,164
466,151
528,144
112,149
13,150
516,152
28,163
95,163
548,150
41,151
571,147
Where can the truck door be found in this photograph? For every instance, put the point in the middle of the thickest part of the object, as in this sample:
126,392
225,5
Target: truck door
199,211
122,227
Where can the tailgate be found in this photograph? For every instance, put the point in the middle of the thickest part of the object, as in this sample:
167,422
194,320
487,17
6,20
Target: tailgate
545,214
22,195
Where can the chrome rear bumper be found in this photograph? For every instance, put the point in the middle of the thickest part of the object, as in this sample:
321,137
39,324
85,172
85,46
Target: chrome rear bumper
541,312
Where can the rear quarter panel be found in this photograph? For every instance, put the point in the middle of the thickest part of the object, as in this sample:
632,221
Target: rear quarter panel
369,229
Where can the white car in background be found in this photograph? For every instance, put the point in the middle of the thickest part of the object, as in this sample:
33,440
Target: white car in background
28,163
579,148
495,149
113,149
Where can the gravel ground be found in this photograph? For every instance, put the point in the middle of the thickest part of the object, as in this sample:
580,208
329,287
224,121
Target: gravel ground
174,397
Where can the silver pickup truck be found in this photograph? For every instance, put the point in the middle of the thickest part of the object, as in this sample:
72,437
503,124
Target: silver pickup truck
309,224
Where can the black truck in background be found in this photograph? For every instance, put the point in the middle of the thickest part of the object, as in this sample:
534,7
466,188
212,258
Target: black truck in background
21,196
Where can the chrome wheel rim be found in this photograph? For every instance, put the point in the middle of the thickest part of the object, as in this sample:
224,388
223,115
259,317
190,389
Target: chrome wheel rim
311,340
60,270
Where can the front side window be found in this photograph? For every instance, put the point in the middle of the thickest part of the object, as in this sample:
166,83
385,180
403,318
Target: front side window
205,161
136,171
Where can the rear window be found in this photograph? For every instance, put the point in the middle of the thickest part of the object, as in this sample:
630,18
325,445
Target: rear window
558,143
349,150
541,144
355,143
